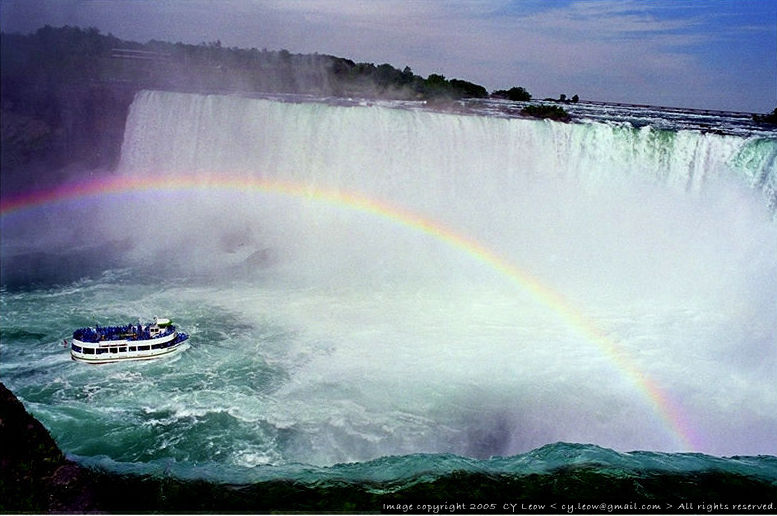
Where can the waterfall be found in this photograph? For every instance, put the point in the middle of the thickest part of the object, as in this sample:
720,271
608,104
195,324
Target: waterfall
465,264
570,202
423,157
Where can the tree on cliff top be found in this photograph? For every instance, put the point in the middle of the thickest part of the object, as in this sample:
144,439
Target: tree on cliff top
73,55
517,93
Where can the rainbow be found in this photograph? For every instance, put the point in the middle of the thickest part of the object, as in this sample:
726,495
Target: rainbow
668,411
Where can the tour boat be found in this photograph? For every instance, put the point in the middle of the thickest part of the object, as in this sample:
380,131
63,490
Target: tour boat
105,344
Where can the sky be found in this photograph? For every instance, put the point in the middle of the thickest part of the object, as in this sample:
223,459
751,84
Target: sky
712,54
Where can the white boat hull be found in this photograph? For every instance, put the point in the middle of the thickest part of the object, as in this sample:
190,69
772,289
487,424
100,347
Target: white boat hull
127,356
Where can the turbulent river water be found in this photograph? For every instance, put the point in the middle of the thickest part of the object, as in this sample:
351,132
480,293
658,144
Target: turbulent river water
379,289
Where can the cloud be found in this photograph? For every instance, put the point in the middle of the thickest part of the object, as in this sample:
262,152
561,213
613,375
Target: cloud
606,49
622,42
375,9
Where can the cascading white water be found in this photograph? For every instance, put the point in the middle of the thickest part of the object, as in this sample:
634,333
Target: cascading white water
380,149
399,342
557,199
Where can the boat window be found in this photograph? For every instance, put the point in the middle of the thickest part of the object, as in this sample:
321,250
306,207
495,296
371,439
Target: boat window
77,349
132,348
157,346
89,351
122,350
142,348
100,351
114,350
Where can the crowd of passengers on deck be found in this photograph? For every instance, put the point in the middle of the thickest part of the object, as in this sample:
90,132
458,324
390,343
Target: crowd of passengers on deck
128,332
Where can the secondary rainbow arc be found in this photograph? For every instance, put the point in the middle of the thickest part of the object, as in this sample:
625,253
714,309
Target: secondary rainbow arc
668,411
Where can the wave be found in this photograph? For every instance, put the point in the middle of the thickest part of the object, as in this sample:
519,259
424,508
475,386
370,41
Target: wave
397,473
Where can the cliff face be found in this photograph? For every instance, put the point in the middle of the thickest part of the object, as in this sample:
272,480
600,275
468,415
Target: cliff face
34,474
80,130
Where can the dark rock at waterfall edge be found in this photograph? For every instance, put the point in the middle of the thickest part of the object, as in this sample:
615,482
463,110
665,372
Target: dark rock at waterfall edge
36,477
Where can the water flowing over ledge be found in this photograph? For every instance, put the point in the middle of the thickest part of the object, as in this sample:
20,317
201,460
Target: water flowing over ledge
343,146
